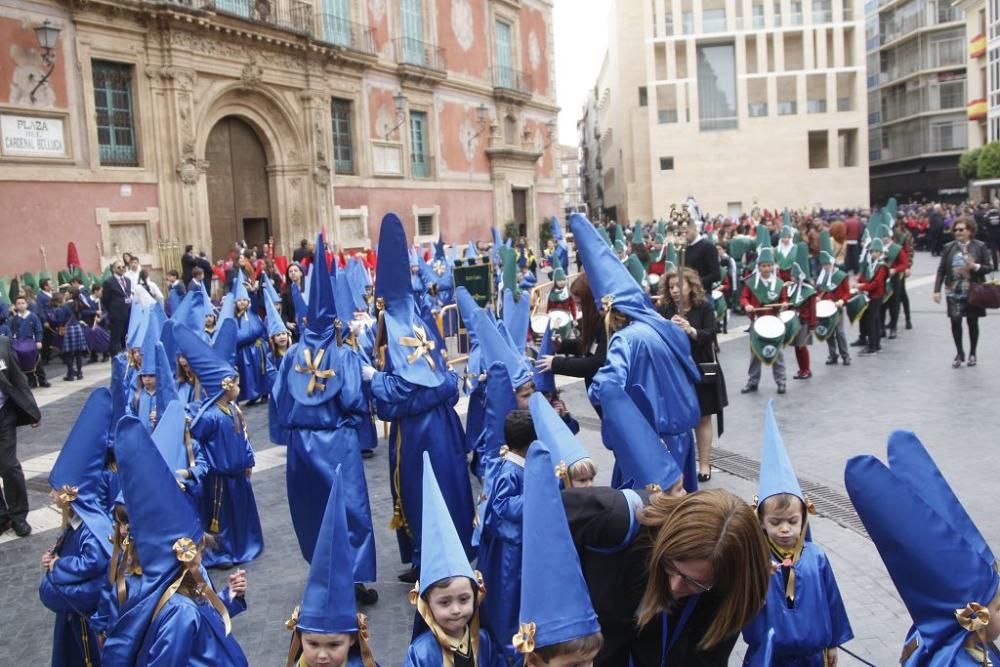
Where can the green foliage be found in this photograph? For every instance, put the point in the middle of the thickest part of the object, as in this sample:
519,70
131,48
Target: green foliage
988,165
968,164
544,233
510,231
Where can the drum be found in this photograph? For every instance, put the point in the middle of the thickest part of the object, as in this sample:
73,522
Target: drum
562,323
539,323
27,354
827,318
792,325
719,301
856,307
98,339
767,335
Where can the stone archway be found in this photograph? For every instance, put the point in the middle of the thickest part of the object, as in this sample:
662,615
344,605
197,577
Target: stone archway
239,201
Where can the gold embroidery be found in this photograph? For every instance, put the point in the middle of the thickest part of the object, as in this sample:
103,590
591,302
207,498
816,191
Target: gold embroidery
421,344
312,368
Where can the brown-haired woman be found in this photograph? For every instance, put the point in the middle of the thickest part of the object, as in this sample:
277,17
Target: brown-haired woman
683,573
583,357
964,261
696,317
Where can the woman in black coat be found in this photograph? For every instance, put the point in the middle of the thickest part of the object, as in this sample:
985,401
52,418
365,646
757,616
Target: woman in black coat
697,319
682,573
963,261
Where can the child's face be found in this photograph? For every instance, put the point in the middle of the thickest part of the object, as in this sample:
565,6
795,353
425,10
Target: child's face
210,321
281,339
677,490
242,304
148,382
21,305
783,526
234,391
523,395
326,650
452,606
559,284
583,482
183,362
572,660
765,270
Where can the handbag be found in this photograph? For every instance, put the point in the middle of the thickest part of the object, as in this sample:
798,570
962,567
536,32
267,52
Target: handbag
984,295
710,370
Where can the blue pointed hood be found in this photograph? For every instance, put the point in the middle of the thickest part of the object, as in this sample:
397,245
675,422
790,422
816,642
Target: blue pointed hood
639,452
443,554
227,311
206,365
555,599
149,343
608,276
169,344
77,472
552,430
239,287
345,300
321,307
268,287
224,341
138,323
301,308
471,251
933,582
166,387
118,399
545,382
494,348
358,279
192,309
413,354
467,307
275,325
497,244
168,436
328,605
517,317
776,472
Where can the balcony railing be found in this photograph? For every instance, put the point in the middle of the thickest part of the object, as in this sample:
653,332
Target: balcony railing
411,51
422,166
512,79
292,15
713,22
186,4
757,109
341,32
934,98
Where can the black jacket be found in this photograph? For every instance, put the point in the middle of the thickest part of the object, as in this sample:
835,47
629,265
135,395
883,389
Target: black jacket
14,386
113,298
187,266
704,258
980,255
580,363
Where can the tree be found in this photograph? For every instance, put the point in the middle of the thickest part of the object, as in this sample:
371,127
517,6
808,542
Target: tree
988,165
968,164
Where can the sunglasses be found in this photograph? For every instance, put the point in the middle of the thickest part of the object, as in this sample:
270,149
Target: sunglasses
671,570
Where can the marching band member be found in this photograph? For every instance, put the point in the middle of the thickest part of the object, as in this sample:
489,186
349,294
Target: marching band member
834,285
762,292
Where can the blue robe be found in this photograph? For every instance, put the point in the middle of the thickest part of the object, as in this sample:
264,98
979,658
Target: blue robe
951,655
817,622
72,590
322,435
499,402
500,554
187,394
279,434
425,651
190,633
475,416
142,406
640,361
226,493
424,419
251,357
175,295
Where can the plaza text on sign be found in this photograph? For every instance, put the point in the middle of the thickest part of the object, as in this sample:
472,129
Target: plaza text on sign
32,136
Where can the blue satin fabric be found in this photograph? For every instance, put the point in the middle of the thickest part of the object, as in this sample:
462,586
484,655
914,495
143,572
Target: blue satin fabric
425,651
190,633
817,622
323,434
227,449
187,395
142,406
952,655
73,590
640,361
251,357
499,401
109,489
475,419
424,419
500,555
278,433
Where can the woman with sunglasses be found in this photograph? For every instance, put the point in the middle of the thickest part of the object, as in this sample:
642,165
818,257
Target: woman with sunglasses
672,580
963,261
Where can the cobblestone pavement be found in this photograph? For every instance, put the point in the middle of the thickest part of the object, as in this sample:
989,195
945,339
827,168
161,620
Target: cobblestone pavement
840,412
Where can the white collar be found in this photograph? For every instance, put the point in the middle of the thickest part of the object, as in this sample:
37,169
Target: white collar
516,459
75,521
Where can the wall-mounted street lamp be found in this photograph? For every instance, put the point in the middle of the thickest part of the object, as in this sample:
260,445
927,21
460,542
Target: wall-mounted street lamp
48,37
483,118
551,127
399,99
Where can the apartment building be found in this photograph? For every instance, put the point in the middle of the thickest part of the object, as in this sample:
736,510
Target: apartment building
588,129
572,181
917,97
740,103
167,122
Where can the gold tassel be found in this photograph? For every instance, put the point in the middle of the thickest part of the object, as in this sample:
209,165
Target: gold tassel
217,506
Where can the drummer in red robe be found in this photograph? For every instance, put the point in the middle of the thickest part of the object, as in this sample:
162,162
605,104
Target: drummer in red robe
762,295
832,284
801,295
872,280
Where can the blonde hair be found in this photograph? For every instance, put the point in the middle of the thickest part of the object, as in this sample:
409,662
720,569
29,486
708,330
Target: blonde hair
583,469
716,526
696,290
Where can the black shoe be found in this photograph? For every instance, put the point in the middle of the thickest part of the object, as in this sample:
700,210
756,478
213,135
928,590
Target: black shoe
847,361
410,576
868,351
832,361
367,453
860,343
705,476
69,378
892,334
909,325
972,360
957,363
749,388
4,526
79,376
781,389
21,527
32,383
44,383
365,596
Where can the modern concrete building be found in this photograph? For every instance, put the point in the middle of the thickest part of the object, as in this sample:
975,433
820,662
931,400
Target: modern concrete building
917,98
166,122
739,103
588,129
572,182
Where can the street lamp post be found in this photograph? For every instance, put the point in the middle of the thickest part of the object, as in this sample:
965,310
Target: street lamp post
48,36
399,99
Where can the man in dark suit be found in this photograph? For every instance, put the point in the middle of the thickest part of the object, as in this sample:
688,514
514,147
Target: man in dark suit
116,298
187,264
17,408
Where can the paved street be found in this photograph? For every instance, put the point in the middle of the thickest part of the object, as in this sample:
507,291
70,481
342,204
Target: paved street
840,412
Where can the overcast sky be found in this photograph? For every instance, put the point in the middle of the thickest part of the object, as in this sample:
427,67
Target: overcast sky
581,37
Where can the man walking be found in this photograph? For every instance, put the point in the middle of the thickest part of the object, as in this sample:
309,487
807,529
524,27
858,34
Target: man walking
116,299
17,408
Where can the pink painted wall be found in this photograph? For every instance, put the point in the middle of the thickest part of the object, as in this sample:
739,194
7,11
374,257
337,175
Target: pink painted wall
463,34
382,111
539,131
20,56
53,214
378,21
465,214
457,122
534,31
550,205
